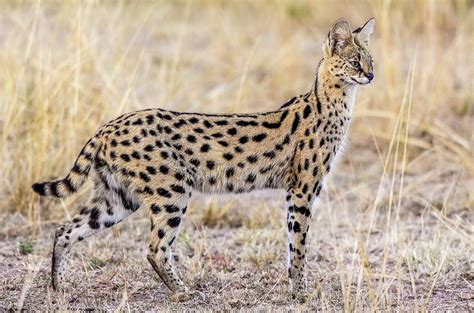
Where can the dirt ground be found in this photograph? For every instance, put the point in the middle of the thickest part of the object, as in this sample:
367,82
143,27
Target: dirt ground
232,250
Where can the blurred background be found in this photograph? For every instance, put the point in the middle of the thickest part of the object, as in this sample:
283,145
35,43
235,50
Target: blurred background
395,225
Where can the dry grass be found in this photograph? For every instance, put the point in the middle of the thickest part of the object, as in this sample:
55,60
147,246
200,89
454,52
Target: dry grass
394,230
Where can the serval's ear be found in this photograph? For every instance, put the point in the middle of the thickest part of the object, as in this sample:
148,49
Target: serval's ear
339,36
362,34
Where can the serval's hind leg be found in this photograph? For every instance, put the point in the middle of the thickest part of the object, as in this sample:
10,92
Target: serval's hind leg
110,203
166,214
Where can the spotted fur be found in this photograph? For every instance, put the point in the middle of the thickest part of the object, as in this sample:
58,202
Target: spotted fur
155,158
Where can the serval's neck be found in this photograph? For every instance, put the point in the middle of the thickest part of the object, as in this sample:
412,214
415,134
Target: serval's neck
332,93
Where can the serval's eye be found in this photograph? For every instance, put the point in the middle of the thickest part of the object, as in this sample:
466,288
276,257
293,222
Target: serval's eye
355,64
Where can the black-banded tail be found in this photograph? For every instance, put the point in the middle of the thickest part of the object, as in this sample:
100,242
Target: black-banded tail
76,177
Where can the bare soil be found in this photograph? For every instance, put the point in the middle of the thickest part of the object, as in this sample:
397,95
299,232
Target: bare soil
232,250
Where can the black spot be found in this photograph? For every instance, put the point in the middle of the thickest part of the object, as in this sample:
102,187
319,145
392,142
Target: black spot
321,142
178,189
217,135
176,137
207,124
138,122
135,155
144,177
147,190
296,122
179,176
296,227
259,137
170,208
174,222
191,138
125,157
150,119
205,147
114,143
199,130
232,131
238,149
243,139
251,178
136,139
212,180
164,154
149,148
210,164
301,144
228,156
163,192
161,233
193,120
247,123
179,123
155,208
326,159
125,143
307,111
229,172
221,123
269,154
195,162
94,224
151,170
252,158
108,224
164,169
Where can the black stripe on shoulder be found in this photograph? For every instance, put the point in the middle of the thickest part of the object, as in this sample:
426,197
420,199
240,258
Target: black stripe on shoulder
289,102
277,124
318,105
296,122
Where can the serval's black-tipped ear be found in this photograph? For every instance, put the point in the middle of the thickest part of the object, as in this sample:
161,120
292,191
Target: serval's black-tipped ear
339,36
362,34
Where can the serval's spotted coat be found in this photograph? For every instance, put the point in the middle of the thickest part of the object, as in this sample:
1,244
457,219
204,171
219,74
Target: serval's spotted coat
156,158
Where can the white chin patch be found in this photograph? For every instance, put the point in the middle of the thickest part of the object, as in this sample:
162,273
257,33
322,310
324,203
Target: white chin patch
361,80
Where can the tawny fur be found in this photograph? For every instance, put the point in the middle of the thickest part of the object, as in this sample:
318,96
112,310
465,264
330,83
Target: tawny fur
155,158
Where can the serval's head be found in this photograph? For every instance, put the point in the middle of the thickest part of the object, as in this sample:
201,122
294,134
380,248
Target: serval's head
346,52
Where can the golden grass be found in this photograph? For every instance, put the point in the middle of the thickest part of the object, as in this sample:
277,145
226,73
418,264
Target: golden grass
396,219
